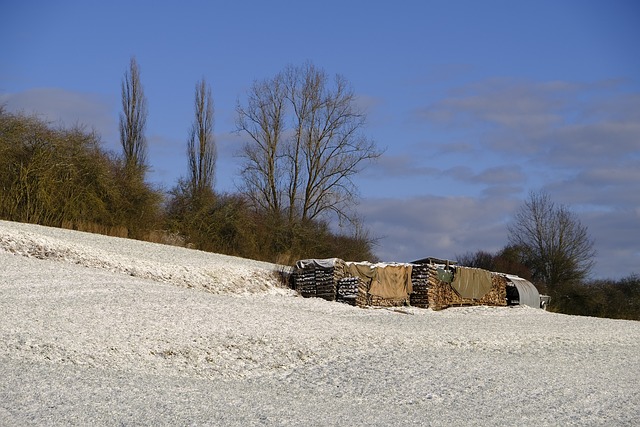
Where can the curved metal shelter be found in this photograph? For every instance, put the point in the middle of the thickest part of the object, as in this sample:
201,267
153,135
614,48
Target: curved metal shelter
528,294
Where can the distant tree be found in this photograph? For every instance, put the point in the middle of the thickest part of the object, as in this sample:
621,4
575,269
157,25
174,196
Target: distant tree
600,298
133,119
201,147
478,259
556,246
510,260
62,177
304,171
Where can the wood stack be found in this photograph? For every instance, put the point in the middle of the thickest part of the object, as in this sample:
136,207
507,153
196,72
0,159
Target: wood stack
376,301
305,282
431,286
498,294
325,284
347,290
442,295
420,282
362,299
439,293
319,282
365,299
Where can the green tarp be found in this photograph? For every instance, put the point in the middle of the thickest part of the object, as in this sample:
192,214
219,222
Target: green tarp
473,283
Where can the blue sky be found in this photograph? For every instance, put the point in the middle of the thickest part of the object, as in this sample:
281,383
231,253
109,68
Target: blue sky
475,102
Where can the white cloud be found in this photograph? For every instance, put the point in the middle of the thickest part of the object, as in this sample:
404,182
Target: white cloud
414,228
67,108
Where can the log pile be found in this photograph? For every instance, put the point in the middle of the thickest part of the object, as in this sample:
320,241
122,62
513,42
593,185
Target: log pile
376,301
420,281
498,294
305,282
439,292
365,298
431,285
347,291
325,284
362,299
319,282
442,295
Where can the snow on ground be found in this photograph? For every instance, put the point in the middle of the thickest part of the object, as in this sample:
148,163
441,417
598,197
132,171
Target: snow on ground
168,264
103,331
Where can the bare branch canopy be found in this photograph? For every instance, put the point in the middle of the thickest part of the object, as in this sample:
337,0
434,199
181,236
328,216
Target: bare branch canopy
304,145
557,247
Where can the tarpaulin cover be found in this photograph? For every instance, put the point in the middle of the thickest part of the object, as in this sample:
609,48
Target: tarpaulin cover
364,270
390,281
444,275
471,282
316,263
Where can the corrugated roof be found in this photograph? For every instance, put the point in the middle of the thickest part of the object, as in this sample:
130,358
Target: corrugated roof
528,294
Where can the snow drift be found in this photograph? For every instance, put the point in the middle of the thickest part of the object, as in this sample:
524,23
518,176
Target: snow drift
162,263
98,330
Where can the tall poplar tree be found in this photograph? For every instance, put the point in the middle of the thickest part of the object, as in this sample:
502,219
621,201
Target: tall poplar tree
201,146
133,120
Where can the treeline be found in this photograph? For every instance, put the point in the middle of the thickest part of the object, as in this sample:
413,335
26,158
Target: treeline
62,177
616,299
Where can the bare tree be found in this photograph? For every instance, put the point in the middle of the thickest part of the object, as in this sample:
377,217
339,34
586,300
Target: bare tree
262,120
306,169
201,147
133,119
556,246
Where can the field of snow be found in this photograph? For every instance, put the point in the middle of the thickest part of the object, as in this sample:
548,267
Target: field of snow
105,331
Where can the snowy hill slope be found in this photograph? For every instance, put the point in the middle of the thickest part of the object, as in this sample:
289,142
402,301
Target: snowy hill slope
103,331
168,264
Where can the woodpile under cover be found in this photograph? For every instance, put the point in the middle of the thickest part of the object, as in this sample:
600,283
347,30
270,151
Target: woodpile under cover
442,294
319,277
382,284
427,284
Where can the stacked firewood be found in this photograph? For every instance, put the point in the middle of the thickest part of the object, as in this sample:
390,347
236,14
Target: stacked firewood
320,282
365,299
377,301
420,282
325,284
339,270
439,292
498,293
362,299
305,282
442,295
347,291
430,282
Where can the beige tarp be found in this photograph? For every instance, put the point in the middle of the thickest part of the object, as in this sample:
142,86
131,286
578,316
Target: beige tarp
471,282
364,270
390,281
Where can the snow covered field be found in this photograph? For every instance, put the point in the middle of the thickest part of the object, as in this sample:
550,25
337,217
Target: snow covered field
106,331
